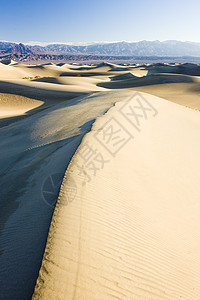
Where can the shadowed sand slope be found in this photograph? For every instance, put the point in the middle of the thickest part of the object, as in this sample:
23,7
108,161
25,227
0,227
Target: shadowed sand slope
129,229
148,80
123,77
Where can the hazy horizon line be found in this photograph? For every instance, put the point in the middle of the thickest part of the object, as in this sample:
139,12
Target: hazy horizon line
43,44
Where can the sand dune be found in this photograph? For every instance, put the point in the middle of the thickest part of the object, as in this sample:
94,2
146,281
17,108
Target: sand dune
14,105
24,98
39,70
186,94
148,80
139,71
132,231
123,77
44,91
7,71
187,68
84,83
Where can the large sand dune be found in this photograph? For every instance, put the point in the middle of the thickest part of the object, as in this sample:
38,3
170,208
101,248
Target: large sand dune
133,230
130,233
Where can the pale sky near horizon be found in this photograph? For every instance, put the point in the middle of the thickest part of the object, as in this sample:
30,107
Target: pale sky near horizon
102,20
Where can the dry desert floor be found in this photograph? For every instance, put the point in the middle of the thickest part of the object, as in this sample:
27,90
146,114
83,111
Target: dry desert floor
99,177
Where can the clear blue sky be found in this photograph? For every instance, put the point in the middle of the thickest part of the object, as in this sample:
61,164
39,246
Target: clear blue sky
99,20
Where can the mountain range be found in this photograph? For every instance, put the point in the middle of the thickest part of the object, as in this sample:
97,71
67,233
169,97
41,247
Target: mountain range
142,48
22,52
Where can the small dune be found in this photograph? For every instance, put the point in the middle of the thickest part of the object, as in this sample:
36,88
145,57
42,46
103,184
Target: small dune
123,77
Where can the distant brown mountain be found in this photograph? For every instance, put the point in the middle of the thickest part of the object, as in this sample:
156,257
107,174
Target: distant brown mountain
16,51
19,49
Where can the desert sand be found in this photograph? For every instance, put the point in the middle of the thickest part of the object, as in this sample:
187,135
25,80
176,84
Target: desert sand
128,229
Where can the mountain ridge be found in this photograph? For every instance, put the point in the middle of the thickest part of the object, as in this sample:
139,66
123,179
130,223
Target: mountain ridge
99,51
141,48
